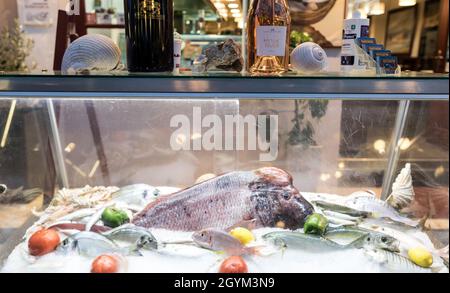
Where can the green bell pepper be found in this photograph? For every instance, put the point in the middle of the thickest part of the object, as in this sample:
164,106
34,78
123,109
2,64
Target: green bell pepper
315,224
113,217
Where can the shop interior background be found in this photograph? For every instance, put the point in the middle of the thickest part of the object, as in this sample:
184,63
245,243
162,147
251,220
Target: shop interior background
202,22
352,137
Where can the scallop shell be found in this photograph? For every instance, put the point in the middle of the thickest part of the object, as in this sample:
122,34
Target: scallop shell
309,57
402,190
91,52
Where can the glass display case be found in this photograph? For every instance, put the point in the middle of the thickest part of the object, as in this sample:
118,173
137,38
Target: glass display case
335,135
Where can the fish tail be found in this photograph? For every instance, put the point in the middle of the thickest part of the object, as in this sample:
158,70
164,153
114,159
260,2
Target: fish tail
133,250
247,224
443,253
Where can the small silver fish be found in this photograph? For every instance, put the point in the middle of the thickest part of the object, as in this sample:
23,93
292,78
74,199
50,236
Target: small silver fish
130,233
93,244
317,243
369,239
378,209
339,208
395,262
307,242
136,194
217,240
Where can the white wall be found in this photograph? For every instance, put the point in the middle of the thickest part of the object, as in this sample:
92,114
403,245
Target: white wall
44,37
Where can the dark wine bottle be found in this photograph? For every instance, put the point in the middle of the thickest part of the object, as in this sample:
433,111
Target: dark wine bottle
149,34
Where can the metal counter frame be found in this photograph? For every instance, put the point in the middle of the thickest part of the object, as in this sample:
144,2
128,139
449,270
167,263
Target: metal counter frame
183,87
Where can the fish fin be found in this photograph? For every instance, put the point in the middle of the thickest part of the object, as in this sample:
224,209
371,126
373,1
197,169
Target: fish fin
247,224
254,250
443,253
133,251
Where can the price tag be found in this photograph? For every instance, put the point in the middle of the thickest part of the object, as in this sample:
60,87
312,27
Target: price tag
271,40
36,12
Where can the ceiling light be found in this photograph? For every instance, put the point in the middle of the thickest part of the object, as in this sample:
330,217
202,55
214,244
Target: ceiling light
407,2
378,8
380,146
219,5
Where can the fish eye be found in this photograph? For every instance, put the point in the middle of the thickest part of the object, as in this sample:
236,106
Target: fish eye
368,239
286,195
384,239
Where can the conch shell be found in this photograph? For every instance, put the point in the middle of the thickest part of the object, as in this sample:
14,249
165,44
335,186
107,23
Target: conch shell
91,53
402,190
309,58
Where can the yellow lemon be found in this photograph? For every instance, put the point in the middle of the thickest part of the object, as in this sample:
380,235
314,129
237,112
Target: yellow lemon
243,235
421,257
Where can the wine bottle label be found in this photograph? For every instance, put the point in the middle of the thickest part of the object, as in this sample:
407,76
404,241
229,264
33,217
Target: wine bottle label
150,9
271,40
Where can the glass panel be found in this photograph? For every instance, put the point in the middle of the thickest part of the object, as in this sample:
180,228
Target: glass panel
26,167
425,146
121,142
332,147
329,146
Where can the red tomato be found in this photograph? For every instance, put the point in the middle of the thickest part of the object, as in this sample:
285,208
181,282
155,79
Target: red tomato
233,264
43,241
105,264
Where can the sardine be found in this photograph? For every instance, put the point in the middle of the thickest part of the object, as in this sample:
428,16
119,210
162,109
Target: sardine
136,194
407,241
395,262
377,208
266,195
298,240
315,243
364,205
339,208
130,233
92,244
361,238
218,240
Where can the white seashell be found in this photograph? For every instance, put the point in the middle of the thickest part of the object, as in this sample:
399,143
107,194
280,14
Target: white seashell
91,52
309,57
402,190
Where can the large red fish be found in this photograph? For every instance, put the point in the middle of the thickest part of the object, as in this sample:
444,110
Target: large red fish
265,196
